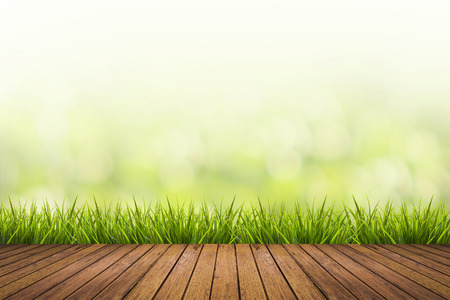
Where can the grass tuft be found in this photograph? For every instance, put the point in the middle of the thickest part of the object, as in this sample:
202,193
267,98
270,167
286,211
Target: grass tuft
89,224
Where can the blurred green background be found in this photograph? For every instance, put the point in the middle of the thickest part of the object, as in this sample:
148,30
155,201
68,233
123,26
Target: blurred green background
204,101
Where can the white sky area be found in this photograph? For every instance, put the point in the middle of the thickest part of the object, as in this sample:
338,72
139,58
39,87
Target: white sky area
199,49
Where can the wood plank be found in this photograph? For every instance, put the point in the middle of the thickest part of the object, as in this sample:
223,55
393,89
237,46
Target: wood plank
330,287
65,288
225,280
41,286
436,275
271,276
29,260
119,288
9,247
302,286
444,247
423,260
199,287
427,254
407,285
443,253
358,288
97,284
376,282
149,284
415,276
34,267
176,283
33,277
250,285
17,251
22,255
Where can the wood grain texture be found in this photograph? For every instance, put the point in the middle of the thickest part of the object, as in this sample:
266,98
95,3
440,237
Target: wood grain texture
346,278
225,279
329,286
250,285
96,285
119,288
408,286
411,274
177,281
200,284
224,271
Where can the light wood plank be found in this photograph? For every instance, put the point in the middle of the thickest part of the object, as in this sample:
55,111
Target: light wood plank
149,284
199,287
250,285
225,279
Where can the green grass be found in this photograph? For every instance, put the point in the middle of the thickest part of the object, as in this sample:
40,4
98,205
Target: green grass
165,223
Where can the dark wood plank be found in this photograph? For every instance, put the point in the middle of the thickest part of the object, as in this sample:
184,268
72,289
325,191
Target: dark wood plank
34,267
272,278
415,276
18,285
444,247
302,286
149,284
330,287
423,260
9,247
412,264
29,260
376,282
25,254
250,285
407,285
199,286
347,279
427,254
41,286
119,288
17,250
176,283
65,288
439,252
97,284
225,279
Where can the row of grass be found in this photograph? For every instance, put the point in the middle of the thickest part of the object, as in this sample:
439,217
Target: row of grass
166,223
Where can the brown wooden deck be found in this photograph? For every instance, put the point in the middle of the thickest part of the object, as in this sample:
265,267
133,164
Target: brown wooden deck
225,271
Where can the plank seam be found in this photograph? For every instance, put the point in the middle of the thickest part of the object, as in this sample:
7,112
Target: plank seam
281,271
45,267
36,260
120,273
52,274
214,272
140,277
431,252
337,262
237,272
101,271
192,273
418,271
394,284
259,272
304,271
171,269
400,273
78,270
414,254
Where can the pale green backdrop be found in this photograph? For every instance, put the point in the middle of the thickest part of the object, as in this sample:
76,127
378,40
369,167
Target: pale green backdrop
201,100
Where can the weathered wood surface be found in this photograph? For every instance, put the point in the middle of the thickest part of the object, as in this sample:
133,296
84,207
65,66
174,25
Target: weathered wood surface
224,271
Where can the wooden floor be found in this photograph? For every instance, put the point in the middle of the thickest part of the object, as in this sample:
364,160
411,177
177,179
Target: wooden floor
225,271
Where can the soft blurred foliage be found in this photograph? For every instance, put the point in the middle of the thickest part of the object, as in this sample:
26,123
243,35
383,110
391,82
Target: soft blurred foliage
261,101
